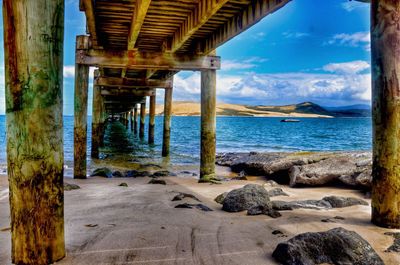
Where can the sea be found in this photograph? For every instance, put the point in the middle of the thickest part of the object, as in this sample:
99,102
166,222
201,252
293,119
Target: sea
234,134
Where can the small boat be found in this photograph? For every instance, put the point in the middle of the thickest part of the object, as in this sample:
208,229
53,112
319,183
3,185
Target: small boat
290,120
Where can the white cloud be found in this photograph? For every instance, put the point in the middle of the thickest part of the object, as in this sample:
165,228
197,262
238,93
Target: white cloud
349,6
347,68
358,39
339,88
250,63
69,72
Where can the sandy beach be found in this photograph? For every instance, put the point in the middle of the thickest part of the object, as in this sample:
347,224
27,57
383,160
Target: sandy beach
109,224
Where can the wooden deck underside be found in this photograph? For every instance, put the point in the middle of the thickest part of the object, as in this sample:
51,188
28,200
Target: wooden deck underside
178,34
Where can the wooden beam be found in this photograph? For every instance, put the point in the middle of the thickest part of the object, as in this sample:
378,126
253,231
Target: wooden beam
152,114
128,92
167,119
33,60
130,82
198,17
87,7
146,60
142,119
150,73
241,22
137,21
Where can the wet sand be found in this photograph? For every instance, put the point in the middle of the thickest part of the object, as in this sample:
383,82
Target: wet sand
138,224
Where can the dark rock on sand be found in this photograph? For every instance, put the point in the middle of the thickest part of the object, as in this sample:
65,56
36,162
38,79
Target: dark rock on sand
326,203
190,206
245,198
277,192
163,173
220,198
102,172
242,176
395,247
131,173
68,187
123,184
183,195
264,209
157,181
118,174
336,246
141,174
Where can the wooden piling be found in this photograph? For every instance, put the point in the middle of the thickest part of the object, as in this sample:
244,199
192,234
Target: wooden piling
97,120
208,124
33,52
131,119
142,119
385,47
80,113
135,118
152,116
167,119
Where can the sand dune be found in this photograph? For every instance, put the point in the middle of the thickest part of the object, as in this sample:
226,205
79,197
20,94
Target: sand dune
187,108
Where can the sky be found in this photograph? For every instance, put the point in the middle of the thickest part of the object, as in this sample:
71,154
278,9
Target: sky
310,50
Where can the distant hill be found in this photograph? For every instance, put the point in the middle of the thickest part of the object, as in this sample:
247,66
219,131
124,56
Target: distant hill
305,109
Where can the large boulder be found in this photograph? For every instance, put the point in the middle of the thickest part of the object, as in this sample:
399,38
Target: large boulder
328,202
336,246
102,172
245,198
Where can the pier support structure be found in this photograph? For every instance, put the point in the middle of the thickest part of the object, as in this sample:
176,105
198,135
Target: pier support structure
80,111
167,118
135,118
385,41
142,119
97,119
34,96
131,119
208,124
152,115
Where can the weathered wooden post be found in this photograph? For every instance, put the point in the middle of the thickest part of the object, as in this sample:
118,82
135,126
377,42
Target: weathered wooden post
167,118
152,115
131,119
142,119
33,52
385,37
135,118
80,111
208,120
104,120
97,118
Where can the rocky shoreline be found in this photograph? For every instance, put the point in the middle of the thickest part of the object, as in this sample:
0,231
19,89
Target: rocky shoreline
301,169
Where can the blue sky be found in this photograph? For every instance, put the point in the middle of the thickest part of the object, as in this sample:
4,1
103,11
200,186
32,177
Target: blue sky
310,50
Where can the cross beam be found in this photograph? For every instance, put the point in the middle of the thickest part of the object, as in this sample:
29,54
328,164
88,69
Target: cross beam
87,7
143,60
137,21
128,92
130,82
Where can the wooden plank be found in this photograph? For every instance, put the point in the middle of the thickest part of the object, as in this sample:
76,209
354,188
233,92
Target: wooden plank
128,92
87,7
137,21
199,17
146,60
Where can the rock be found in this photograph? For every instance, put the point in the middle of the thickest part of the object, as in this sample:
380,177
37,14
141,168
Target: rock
131,173
150,165
141,174
336,246
326,203
277,192
245,198
242,176
395,247
183,195
68,187
340,202
157,181
118,174
279,233
123,184
190,206
305,168
102,172
220,198
264,209
163,173
270,183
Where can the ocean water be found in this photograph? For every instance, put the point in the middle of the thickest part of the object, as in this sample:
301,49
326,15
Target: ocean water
234,134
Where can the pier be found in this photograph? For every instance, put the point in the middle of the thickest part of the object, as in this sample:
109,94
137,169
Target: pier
136,48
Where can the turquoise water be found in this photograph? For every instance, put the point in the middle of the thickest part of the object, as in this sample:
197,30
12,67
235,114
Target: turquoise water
234,134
